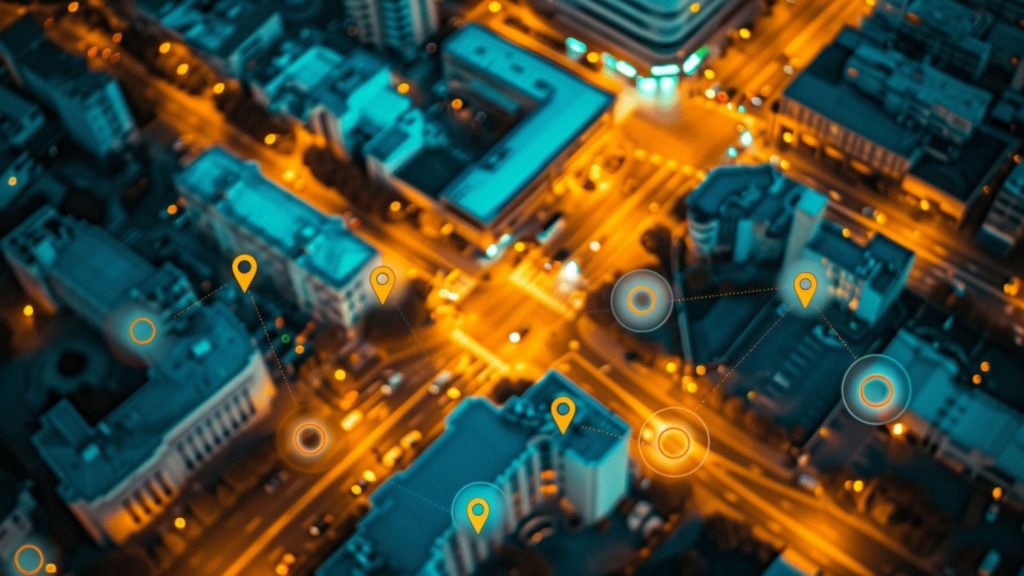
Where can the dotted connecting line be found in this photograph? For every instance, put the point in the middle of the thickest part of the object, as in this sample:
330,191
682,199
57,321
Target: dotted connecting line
605,432
704,297
407,325
198,302
836,332
420,496
270,343
732,370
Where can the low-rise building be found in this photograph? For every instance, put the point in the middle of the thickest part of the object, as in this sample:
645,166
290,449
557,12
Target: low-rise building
17,508
966,427
312,259
553,114
206,380
743,212
907,123
1003,229
233,35
517,448
90,104
21,121
346,98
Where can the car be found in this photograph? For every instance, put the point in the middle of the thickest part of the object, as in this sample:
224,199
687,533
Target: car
351,420
441,381
393,381
348,400
275,480
411,439
318,527
392,456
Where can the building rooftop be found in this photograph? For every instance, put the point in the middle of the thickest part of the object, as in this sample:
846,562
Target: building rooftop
881,262
91,461
26,44
218,28
320,76
410,512
970,418
321,244
564,108
20,120
758,193
823,87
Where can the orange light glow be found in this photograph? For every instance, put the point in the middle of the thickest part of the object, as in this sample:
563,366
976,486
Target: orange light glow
985,366
164,47
172,209
28,311
12,181
976,379
593,57
340,374
858,486
117,37
709,74
300,349
180,523
701,369
453,393
457,104
281,569
519,246
494,7
73,7
51,568
182,69
997,493
395,206
671,367
218,88
269,139
744,33
898,429
356,489
695,7
403,88
691,387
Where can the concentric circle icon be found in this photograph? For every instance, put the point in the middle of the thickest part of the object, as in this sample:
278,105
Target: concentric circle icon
674,442
305,441
642,300
876,389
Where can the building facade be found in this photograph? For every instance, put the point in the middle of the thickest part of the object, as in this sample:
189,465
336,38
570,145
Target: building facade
1003,229
399,26
206,380
90,104
312,259
518,449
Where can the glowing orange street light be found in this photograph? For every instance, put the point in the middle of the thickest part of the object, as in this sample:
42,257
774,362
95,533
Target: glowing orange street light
164,47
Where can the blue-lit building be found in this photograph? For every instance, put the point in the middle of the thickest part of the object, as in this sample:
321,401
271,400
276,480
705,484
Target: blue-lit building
516,447
647,40
232,35
17,509
21,121
346,98
881,114
743,213
90,104
866,279
310,258
206,380
965,426
498,193
1003,229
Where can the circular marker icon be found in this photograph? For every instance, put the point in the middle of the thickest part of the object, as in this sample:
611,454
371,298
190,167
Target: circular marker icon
642,300
30,563
142,330
876,389
479,509
674,442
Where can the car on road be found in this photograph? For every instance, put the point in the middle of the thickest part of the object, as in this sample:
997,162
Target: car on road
275,480
351,420
392,456
320,525
411,439
393,381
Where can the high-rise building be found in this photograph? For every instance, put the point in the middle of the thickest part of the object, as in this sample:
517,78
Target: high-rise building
400,26
518,449
348,99
206,380
743,212
90,104
651,39
312,259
